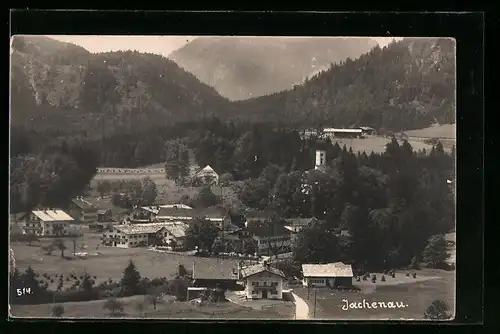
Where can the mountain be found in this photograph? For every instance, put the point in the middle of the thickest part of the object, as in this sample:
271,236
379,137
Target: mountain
245,67
62,84
408,84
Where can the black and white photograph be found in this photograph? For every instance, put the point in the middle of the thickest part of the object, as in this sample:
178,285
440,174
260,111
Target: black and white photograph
232,177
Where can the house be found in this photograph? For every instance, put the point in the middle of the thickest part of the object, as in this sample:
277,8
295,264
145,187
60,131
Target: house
257,216
270,239
104,215
343,133
174,235
140,215
48,222
207,176
223,274
83,211
329,275
367,130
263,281
126,236
147,234
295,225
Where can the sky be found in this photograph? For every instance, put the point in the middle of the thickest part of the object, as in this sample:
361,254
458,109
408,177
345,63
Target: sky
162,45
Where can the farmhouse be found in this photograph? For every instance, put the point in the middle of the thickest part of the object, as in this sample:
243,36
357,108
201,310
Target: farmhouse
263,281
83,211
223,275
140,215
343,133
327,275
207,176
48,222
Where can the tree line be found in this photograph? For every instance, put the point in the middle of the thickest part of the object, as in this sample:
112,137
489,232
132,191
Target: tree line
391,204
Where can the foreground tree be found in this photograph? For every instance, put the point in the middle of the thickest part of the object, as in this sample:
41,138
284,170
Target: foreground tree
130,281
315,244
438,310
59,244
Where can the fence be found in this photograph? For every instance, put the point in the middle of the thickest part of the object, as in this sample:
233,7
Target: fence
131,171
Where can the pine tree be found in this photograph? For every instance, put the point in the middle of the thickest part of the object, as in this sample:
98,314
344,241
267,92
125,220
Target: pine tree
130,280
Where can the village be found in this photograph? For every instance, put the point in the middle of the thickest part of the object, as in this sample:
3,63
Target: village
249,262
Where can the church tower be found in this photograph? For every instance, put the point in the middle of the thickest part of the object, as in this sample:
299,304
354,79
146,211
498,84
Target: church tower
320,159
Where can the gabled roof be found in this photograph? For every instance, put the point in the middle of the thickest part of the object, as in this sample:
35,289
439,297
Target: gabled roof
180,205
103,211
212,212
260,268
178,230
258,215
83,204
337,269
52,215
207,168
139,228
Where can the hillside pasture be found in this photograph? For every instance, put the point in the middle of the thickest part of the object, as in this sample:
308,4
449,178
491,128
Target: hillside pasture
445,131
103,262
376,144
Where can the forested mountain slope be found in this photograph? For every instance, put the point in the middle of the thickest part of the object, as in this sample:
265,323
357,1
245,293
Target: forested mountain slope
407,85
55,84
245,67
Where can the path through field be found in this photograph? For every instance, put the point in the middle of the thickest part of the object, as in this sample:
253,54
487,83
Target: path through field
301,308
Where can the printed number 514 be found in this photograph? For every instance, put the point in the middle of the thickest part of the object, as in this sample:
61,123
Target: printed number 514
23,291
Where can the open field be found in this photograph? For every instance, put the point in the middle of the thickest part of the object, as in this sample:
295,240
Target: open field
108,264
415,294
168,191
168,308
376,144
445,131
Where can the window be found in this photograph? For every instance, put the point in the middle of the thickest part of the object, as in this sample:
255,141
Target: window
274,292
265,283
274,284
255,283
254,292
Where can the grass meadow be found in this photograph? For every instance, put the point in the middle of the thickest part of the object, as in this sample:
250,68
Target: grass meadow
415,293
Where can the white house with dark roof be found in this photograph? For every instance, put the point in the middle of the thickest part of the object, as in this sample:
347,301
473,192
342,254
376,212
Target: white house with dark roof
327,275
263,281
142,235
48,222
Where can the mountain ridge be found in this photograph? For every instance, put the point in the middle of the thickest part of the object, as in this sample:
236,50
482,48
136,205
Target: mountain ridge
245,67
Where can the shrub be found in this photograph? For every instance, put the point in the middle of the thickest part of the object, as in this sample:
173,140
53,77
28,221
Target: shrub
67,279
438,310
414,275
374,278
51,280
382,278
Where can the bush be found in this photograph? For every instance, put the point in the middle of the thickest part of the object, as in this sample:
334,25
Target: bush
382,278
414,275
